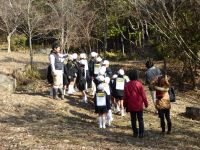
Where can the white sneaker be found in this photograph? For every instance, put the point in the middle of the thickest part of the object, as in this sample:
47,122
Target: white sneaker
51,92
69,92
76,89
85,99
109,122
70,89
111,119
73,90
117,109
100,122
122,113
104,122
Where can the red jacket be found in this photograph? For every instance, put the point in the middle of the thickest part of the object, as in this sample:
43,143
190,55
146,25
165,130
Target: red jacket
134,96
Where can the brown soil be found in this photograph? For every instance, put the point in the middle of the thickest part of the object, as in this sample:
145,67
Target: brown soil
32,120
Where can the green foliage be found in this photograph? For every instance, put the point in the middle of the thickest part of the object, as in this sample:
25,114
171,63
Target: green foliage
32,73
18,42
113,31
114,55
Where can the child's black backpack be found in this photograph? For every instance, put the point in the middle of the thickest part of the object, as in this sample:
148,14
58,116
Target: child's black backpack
49,75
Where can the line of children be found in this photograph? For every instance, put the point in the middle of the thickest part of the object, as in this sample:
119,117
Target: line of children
108,89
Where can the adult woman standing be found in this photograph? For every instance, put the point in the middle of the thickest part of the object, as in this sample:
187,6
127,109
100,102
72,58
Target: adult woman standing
134,100
163,102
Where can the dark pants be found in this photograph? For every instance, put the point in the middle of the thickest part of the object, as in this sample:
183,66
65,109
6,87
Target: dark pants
165,114
88,79
139,116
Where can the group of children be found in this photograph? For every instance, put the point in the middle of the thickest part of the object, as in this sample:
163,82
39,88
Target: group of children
107,89
94,76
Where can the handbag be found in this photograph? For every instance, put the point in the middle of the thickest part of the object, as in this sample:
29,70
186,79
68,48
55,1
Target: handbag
172,96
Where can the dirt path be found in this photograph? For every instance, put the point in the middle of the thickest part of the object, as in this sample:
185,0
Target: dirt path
33,121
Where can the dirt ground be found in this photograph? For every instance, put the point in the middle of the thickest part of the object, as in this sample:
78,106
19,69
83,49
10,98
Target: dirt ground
34,121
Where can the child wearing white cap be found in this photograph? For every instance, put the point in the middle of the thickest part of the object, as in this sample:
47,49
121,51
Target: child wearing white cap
97,66
119,84
83,57
108,72
70,71
76,64
81,80
101,101
108,92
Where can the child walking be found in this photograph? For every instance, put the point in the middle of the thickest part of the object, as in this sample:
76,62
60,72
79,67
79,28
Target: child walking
81,80
108,104
101,102
119,84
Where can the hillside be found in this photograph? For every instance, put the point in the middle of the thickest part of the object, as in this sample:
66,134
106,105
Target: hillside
31,120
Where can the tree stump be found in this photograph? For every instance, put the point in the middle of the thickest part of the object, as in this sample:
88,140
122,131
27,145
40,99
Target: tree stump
193,112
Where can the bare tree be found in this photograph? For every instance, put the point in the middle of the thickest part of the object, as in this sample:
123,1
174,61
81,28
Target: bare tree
33,21
64,15
171,19
10,18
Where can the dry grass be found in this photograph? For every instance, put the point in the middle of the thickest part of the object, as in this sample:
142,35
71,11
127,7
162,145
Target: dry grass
34,121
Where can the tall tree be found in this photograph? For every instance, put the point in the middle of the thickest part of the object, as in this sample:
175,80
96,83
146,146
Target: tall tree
33,21
64,15
177,24
10,18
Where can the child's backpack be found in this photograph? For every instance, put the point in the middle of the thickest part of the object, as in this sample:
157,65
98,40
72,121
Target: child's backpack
49,75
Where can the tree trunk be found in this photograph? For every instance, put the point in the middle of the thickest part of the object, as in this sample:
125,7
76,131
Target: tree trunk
105,28
31,51
192,75
89,45
9,44
165,66
62,39
181,77
122,41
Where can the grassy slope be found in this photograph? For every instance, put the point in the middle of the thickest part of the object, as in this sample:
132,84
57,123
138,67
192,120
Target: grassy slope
34,121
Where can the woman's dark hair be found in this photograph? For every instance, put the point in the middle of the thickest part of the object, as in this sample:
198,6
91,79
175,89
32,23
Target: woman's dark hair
55,45
149,64
133,75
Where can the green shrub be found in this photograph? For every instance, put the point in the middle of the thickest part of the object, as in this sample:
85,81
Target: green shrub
18,42
27,76
32,73
114,55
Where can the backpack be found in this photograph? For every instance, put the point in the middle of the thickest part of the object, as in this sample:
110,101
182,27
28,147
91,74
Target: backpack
49,75
172,95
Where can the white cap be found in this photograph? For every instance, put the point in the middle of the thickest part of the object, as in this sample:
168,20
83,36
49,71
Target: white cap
82,62
114,76
102,70
93,54
70,57
107,80
98,59
83,55
100,87
75,56
121,72
106,62
100,78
